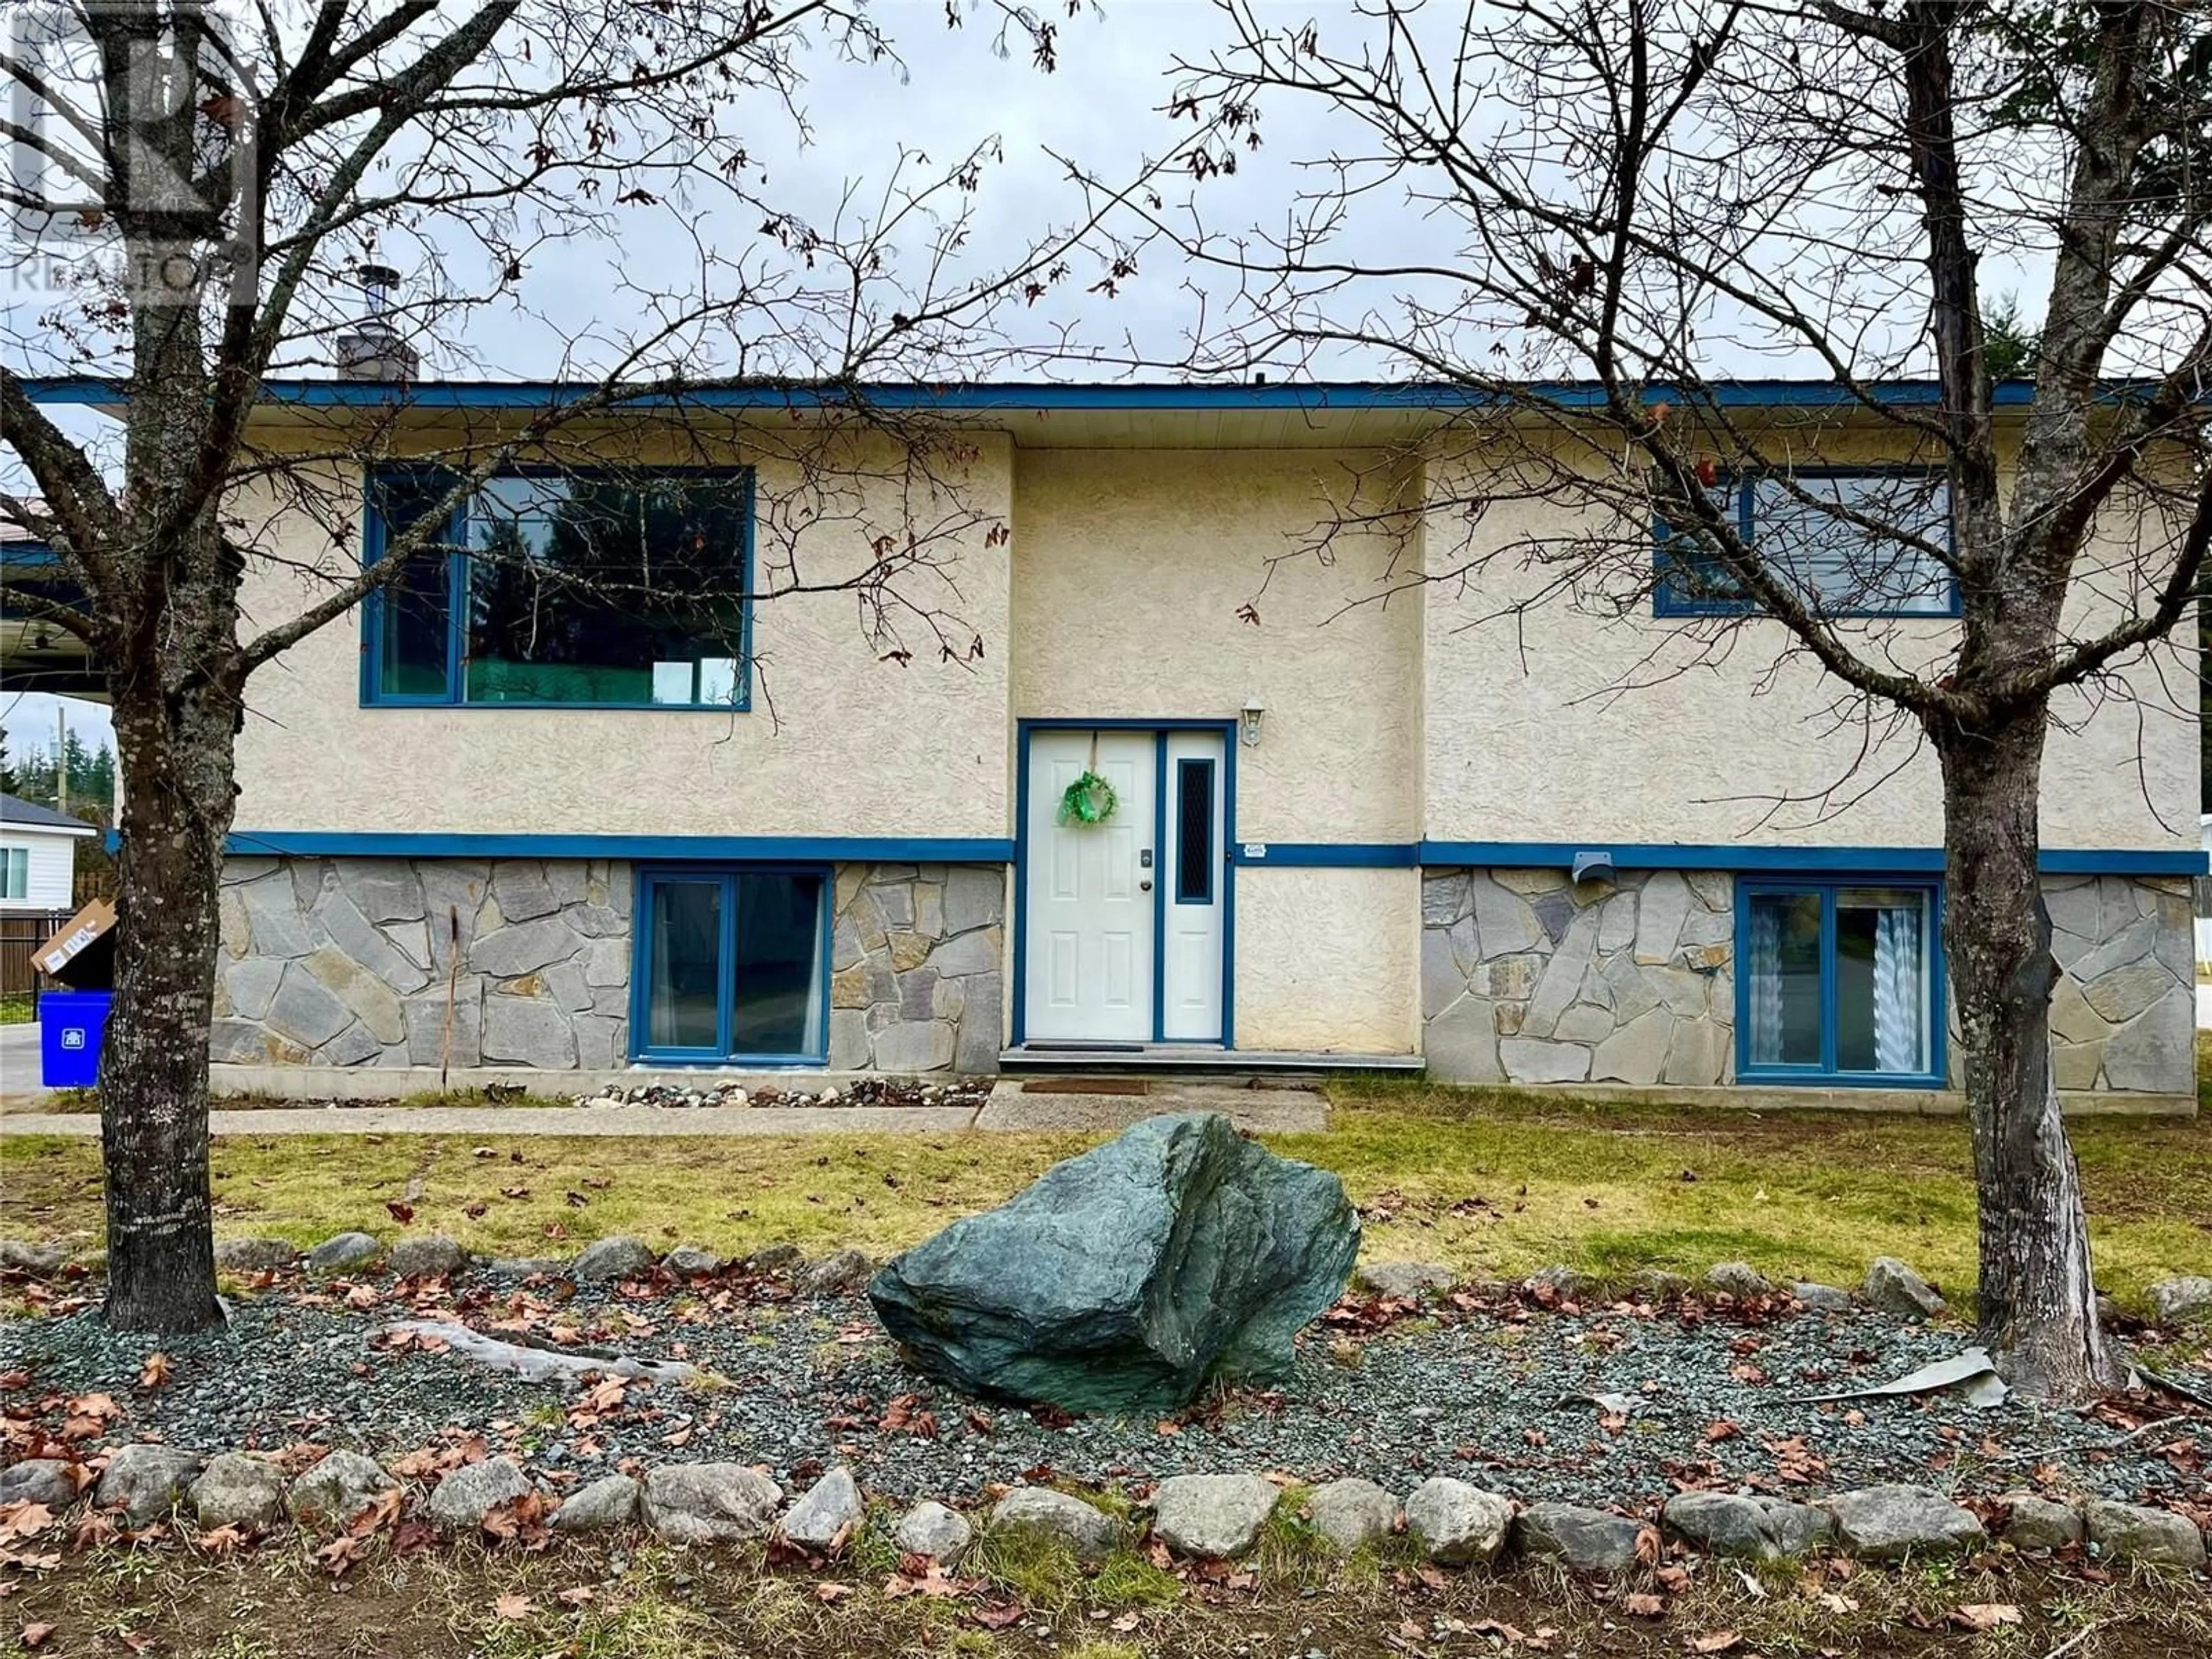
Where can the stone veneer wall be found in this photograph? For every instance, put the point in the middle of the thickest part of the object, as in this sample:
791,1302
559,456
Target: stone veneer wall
1528,978
2124,1017
917,980
346,961
350,962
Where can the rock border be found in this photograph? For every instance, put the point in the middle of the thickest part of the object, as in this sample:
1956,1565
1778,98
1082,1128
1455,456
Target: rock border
1200,1518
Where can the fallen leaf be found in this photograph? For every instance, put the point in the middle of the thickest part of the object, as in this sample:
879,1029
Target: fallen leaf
1717,1432
154,1373
23,1520
1984,1615
1715,1641
402,1213
575,1597
513,1605
1645,1605
827,1591
35,1635
1836,1602
223,1540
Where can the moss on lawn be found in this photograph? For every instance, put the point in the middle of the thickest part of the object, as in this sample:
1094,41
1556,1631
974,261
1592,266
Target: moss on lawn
1491,1181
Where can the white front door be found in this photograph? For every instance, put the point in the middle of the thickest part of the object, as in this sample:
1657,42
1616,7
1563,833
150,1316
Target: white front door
1193,869
1091,915
1122,924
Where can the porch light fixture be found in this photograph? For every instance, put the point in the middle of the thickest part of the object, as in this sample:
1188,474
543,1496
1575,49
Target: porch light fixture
1247,723
1589,865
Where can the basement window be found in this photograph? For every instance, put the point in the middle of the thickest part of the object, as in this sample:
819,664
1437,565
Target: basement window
1839,983
731,964
564,588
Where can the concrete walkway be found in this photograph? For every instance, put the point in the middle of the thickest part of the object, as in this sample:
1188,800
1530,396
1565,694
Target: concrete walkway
1009,1109
19,1060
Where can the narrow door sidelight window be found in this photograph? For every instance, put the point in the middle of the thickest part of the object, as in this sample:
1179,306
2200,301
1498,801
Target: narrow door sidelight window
1195,851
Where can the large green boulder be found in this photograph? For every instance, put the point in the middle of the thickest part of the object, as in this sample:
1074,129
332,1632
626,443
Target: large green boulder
1125,1279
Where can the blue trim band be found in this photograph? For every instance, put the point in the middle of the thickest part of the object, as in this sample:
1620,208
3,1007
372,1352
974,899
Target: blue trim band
1326,855
1356,855
1014,397
1802,860
885,849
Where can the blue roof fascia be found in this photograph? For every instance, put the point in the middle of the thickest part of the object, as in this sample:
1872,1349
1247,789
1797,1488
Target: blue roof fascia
1015,397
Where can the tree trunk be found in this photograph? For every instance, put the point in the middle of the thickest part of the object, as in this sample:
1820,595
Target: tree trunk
2036,1297
175,754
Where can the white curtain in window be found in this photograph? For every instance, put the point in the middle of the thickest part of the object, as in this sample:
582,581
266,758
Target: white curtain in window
1765,985
1898,1044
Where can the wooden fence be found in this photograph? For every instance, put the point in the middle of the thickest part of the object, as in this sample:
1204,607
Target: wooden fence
21,936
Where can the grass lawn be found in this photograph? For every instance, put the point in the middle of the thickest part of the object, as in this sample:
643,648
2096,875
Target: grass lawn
1493,1182
712,1603
15,1009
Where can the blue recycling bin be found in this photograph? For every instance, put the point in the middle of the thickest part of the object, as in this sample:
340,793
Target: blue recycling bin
70,1026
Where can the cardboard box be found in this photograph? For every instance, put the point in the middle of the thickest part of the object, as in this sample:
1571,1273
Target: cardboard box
82,954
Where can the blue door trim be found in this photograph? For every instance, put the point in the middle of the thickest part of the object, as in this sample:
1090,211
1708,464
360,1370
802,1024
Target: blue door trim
1227,728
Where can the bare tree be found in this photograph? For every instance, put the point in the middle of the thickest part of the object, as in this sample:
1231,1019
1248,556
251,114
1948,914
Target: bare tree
1648,197
197,186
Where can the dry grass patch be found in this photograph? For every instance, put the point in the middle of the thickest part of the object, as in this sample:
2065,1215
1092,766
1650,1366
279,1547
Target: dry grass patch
1493,1182
651,1602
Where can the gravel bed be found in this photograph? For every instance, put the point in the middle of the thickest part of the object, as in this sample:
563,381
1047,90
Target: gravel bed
861,1091
1486,1394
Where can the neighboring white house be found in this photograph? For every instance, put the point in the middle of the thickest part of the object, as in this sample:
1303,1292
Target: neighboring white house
38,857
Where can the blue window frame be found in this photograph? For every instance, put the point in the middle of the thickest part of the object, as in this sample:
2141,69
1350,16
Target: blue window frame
1801,521
1840,981
565,587
732,963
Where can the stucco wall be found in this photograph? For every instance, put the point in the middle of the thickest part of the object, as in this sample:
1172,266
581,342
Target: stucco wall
837,742
1328,959
1130,566
1712,728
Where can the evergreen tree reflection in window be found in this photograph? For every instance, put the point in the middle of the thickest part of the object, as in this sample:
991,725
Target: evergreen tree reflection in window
600,590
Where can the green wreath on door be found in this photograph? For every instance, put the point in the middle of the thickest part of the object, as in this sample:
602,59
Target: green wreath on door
1090,799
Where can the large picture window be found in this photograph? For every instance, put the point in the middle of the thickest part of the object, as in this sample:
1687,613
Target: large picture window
1822,530
1839,982
577,589
730,965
